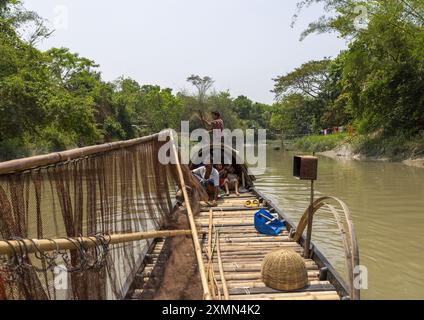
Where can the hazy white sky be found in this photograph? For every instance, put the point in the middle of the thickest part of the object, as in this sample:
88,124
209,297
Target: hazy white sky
242,44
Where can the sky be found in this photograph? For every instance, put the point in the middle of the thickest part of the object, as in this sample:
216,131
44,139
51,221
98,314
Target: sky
241,44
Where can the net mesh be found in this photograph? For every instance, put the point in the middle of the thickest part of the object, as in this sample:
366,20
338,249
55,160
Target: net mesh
114,192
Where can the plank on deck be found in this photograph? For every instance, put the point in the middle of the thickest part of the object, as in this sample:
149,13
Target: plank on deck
242,252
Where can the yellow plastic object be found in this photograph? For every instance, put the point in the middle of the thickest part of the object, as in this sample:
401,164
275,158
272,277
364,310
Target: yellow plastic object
252,203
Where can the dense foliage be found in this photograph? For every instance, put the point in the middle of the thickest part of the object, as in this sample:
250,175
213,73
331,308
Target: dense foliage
55,100
376,85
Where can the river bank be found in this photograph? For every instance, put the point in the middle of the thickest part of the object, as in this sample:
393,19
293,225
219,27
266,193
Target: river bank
345,153
362,148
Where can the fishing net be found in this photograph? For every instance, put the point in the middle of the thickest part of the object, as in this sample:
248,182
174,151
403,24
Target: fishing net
113,192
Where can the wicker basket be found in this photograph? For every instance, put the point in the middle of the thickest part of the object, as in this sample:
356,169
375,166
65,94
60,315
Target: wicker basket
284,270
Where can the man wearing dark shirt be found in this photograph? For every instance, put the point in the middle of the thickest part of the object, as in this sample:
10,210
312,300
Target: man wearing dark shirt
216,126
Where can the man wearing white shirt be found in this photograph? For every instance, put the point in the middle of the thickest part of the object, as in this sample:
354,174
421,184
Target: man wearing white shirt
209,178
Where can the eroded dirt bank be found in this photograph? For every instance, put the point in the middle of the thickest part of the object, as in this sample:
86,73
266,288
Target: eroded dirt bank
345,152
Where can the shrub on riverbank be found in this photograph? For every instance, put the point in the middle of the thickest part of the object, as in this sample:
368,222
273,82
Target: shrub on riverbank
398,147
319,143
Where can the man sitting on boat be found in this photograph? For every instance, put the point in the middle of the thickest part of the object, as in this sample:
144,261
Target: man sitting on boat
208,177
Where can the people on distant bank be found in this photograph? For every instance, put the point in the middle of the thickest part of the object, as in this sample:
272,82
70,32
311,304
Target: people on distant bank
208,177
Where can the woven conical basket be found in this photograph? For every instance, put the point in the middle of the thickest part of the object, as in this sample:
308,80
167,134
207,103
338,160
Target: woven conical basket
284,270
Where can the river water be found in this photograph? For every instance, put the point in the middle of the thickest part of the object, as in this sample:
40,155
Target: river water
387,205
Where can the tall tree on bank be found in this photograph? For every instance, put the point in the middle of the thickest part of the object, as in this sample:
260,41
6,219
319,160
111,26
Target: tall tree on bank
199,107
307,80
305,93
203,85
378,79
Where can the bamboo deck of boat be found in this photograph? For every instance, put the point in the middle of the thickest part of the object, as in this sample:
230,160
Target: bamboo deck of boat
242,250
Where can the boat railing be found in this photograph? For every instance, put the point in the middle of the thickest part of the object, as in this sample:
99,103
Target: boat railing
347,232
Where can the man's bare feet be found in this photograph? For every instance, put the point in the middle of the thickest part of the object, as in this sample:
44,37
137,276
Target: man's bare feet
237,194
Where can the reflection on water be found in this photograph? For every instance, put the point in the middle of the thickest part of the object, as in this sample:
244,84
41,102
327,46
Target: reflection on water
387,205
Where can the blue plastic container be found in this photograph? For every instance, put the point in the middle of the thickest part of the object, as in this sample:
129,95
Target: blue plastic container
273,229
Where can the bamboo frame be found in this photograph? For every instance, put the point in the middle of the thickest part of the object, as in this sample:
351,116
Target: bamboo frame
347,250
350,247
221,267
45,245
190,216
19,165
210,272
219,291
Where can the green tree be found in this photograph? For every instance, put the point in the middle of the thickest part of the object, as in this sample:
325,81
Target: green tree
126,102
57,99
292,115
243,106
23,82
308,80
160,102
378,81
199,106
203,85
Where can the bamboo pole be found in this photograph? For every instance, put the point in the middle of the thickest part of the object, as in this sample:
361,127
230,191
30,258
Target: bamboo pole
354,255
195,236
310,220
57,157
45,245
320,295
217,286
210,274
221,267
348,255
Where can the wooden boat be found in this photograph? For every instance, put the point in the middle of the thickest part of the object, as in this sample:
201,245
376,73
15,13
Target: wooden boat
221,245
234,266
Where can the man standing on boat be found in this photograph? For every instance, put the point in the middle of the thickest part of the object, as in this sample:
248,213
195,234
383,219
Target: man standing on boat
216,126
208,177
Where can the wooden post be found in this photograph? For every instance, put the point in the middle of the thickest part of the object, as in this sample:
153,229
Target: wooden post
195,236
310,220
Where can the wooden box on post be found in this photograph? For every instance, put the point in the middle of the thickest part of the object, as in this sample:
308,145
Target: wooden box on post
305,167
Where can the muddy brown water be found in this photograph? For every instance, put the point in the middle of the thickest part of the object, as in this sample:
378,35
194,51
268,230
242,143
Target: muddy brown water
387,205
